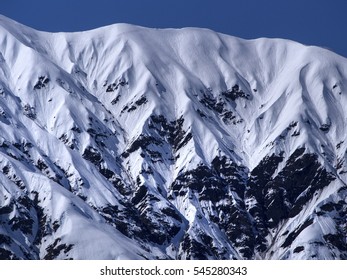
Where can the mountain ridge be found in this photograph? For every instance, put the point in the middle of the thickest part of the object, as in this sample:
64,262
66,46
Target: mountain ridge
184,144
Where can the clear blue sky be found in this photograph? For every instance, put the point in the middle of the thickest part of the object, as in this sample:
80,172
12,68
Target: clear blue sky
312,22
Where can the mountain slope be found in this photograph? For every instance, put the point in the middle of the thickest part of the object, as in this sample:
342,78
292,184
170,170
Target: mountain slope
128,142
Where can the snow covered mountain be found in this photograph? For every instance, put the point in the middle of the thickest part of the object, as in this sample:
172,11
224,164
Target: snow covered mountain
133,143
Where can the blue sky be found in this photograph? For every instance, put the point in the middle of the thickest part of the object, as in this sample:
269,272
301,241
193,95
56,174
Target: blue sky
312,22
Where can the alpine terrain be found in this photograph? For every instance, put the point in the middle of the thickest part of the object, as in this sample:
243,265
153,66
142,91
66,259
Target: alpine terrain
127,142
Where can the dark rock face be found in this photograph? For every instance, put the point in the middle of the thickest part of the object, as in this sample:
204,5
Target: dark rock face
235,93
223,105
277,198
55,249
41,83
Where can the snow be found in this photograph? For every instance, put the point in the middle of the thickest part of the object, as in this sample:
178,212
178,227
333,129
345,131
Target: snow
287,82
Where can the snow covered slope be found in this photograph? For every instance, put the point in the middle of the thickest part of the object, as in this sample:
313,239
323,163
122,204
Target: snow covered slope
128,142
